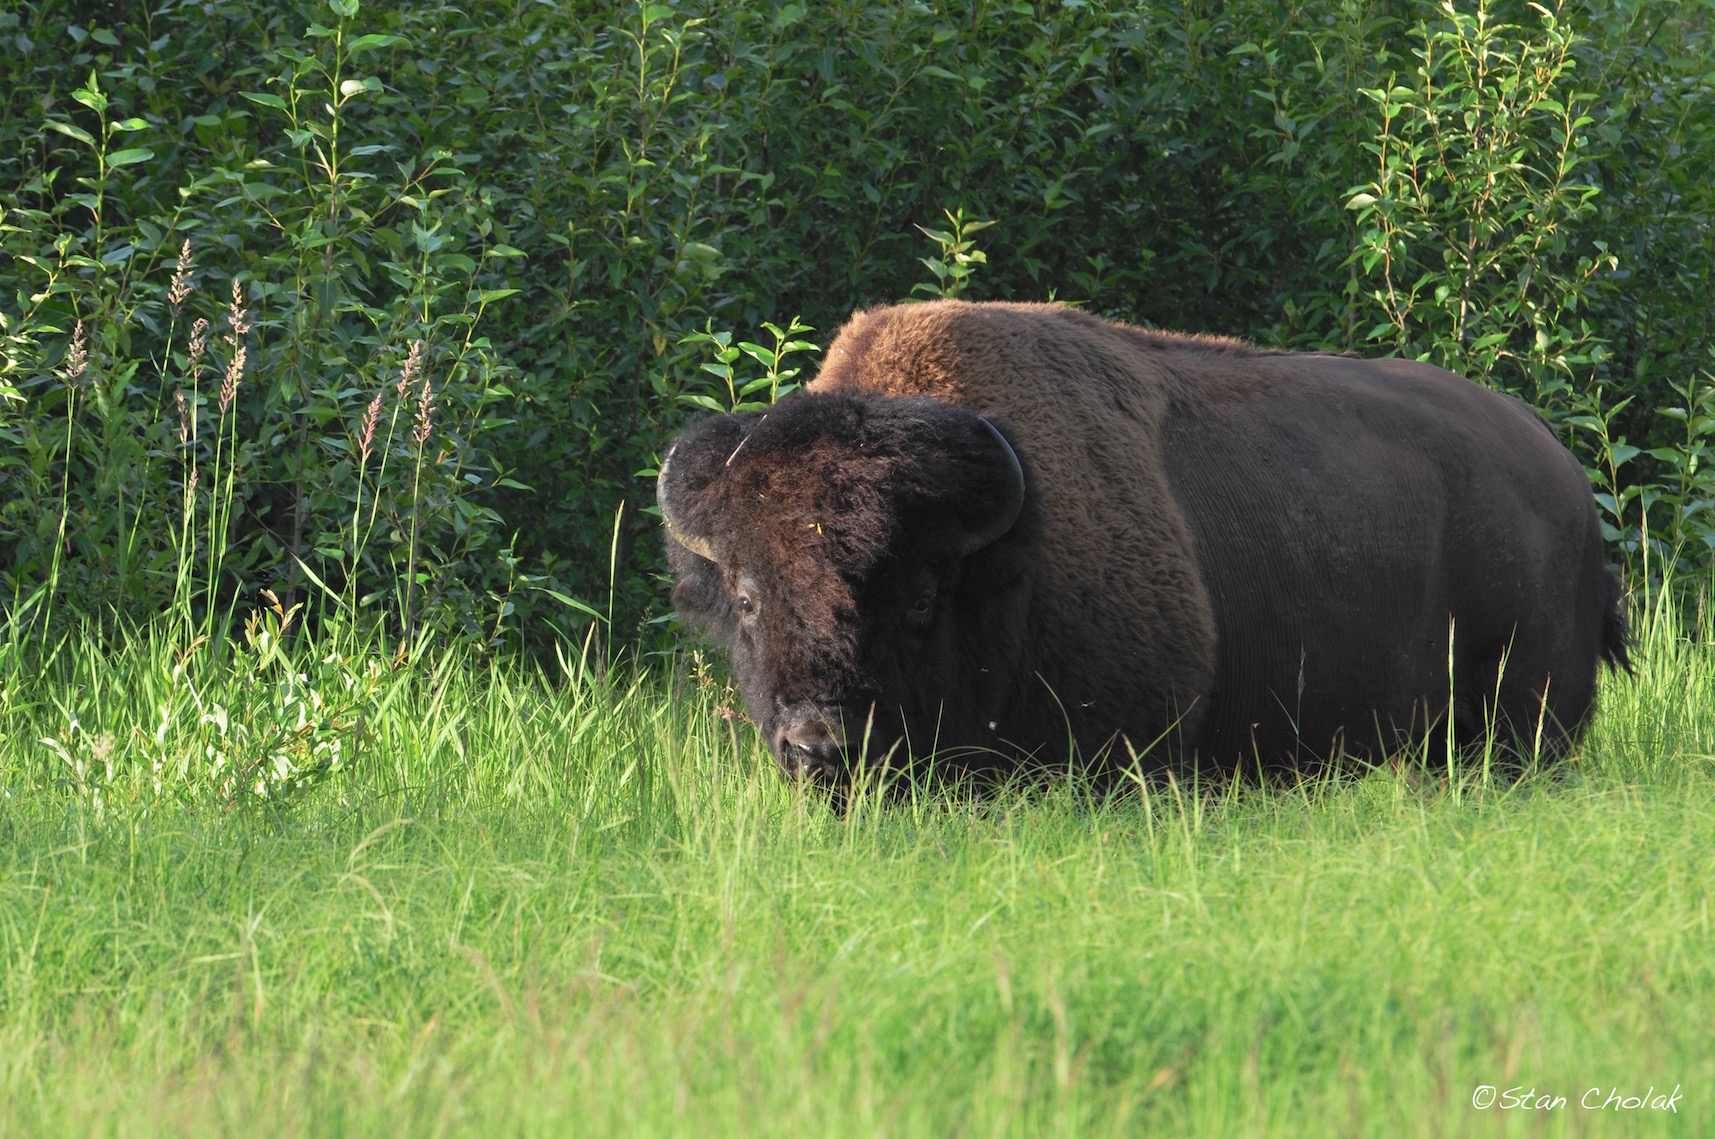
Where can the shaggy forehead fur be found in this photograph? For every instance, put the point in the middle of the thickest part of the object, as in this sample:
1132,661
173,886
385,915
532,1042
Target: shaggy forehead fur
813,494
790,505
813,480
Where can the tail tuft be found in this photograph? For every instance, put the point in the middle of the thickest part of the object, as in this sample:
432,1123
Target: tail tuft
1616,633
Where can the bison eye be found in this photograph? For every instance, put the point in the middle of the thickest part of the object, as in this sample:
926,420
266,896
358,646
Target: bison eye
745,594
923,608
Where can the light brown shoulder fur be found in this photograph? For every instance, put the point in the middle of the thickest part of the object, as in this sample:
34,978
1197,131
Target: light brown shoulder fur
1121,617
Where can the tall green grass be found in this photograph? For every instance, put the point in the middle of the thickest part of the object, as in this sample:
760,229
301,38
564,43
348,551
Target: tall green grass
557,901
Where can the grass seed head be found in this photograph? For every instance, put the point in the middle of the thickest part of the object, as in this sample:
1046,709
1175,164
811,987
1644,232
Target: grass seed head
370,417
198,346
236,314
425,414
77,356
234,373
181,288
413,362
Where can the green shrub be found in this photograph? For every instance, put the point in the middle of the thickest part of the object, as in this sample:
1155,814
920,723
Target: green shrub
556,200
1470,236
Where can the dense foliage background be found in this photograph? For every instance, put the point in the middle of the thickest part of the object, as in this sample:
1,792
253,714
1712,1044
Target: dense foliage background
452,263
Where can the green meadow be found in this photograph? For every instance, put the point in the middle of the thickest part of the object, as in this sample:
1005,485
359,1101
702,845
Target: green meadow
562,902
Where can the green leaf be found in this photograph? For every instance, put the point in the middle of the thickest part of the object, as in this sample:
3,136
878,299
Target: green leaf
131,124
1621,453
375,41
130,156
487,295
572,603
311,574
266,99
758,352
345,9
71,131
90,95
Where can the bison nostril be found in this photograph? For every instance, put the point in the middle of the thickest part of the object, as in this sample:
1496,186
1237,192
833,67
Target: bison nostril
807,743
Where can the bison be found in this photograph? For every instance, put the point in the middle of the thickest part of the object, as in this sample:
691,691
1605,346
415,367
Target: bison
1003,534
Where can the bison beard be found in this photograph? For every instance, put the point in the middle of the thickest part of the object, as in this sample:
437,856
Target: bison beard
1015,534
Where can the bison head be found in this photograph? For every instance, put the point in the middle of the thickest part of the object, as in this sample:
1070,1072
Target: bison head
864,561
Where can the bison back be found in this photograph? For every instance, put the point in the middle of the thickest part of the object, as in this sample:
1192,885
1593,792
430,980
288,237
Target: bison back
1381,539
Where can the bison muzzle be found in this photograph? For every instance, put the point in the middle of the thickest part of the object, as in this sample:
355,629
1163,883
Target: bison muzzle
1000,534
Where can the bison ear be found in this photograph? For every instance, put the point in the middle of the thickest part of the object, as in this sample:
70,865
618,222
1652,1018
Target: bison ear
690,470
976,485
994,513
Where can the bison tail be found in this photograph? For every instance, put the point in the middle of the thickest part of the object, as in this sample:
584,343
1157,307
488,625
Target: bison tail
1616,631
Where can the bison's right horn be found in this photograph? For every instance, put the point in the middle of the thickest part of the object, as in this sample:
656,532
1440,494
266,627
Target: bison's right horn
1003,518
674,519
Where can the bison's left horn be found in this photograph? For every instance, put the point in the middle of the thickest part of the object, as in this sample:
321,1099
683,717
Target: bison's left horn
674,519
1003,518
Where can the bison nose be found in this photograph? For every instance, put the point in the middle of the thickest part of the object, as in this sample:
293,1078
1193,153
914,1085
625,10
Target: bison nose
808,744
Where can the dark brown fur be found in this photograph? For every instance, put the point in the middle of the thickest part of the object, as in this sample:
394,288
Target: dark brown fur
1240,556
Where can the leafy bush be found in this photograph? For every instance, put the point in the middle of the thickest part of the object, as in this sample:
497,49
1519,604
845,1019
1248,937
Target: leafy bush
564,204
323,415
1469,234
